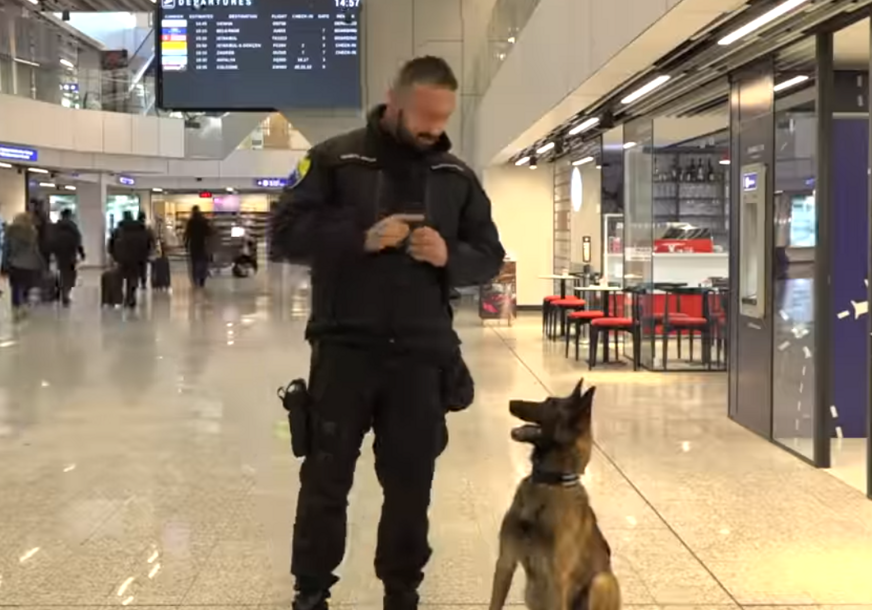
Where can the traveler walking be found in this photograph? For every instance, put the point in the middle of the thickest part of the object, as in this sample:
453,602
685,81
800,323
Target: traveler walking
389,221
66,242
198,236
21,261
129,247
152,246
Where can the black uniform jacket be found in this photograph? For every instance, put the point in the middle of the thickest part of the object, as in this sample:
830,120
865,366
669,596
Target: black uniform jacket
388,298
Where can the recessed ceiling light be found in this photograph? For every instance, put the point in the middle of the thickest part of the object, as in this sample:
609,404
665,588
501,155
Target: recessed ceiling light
37,170
512,40
724,161
629,145
759,22
584,126
229,189
545,148
67,63
583,161
48,185
156,190
522,161
69,187
791,82
5,166
646,89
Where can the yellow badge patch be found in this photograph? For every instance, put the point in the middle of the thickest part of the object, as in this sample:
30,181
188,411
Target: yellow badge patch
303,167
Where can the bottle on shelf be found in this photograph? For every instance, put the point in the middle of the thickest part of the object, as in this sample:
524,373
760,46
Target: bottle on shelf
690,172
675,172
701,173
711,172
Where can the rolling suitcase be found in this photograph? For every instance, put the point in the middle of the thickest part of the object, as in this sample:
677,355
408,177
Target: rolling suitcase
50,289
160,273
111,288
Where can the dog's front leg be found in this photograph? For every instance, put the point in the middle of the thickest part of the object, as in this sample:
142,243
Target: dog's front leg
504,572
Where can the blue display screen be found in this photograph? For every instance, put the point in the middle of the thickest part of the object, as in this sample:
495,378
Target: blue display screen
258,54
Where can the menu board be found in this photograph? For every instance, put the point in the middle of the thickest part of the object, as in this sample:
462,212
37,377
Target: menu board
258,54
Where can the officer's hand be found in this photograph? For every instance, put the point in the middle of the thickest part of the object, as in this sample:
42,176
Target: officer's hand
390,232
427,246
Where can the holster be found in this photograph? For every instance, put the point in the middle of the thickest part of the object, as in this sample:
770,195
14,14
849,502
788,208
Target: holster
297,402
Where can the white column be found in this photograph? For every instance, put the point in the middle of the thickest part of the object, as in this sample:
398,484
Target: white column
13,193
92,220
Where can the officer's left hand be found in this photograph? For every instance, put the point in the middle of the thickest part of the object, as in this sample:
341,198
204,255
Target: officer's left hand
427,246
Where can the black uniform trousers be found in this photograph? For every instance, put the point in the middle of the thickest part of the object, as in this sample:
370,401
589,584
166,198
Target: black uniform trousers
67,275
130,273
399,398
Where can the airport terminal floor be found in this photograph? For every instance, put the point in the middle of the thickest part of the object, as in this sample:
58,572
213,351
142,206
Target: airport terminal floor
144,461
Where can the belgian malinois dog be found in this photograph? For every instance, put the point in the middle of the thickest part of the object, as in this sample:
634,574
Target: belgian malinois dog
550,528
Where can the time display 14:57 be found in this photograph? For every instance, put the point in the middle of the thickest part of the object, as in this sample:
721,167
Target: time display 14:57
347,3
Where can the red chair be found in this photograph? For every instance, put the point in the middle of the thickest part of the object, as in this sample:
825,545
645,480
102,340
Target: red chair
560,308
618,322
546,311
577,320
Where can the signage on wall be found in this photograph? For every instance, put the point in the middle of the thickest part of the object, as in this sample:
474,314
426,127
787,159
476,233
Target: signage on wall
576,189
126,180
16,153
585,249
271,183
749,181
205,194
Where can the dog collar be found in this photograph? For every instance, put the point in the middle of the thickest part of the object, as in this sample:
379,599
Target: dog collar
563,479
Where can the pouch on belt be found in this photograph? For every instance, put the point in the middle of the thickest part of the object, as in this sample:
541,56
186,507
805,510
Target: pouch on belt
297,401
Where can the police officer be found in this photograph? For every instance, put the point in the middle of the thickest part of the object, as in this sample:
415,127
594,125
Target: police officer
389,222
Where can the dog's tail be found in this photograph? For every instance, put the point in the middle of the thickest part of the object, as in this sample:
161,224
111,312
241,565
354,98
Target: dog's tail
605,594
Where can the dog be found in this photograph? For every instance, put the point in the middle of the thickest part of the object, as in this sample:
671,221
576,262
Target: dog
550,528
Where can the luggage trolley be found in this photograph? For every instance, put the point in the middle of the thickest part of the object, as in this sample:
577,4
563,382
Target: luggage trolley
498,300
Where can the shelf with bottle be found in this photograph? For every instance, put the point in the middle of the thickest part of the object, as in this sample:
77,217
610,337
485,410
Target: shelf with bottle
677,169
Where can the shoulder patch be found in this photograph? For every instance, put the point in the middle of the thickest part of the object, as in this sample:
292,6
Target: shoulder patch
300,172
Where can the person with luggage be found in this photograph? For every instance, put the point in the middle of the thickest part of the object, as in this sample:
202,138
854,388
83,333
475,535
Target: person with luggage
198,234
67,249
388,220
129,247
21,261
143,277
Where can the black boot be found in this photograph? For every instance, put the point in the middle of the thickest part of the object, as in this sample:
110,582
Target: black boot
401,600
310,601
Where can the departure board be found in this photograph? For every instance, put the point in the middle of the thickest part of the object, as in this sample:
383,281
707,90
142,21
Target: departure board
258,54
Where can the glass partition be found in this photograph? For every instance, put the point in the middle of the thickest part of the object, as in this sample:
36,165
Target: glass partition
507,19
639,226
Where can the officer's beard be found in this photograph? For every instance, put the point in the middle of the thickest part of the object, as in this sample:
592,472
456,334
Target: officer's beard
422,141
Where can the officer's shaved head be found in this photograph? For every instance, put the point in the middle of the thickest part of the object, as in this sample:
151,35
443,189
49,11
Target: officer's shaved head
422,99
427,70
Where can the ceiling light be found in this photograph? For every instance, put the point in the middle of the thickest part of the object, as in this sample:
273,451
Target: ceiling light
37,170
48,185
522,161
156,190
646,89
67,63
629,145
533,164
791,82
724,161
583,161
69,187
26,62
598,166
229,189
545,148
34,2
5,166
583,126
767,17
512,40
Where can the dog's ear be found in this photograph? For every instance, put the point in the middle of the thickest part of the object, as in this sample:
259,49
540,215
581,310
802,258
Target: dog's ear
582,405
576,393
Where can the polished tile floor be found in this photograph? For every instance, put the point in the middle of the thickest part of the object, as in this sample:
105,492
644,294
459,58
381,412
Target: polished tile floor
144,462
